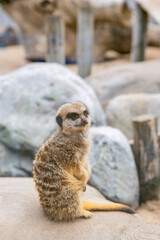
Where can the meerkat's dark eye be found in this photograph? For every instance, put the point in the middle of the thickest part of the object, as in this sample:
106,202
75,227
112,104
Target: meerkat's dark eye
73,116
86,113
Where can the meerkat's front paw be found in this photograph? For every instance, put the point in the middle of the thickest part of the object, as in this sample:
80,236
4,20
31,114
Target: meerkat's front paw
85,214
82,187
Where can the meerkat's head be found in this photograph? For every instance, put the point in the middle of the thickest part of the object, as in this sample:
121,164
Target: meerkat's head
73,118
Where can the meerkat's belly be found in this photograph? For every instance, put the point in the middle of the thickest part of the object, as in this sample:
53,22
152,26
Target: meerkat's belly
82,168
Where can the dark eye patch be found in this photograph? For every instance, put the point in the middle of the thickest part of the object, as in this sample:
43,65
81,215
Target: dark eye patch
86,113
73,116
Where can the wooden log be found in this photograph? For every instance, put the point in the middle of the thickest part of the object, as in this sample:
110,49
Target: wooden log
159,139
139,34
131,143
146,152
55,39
85,41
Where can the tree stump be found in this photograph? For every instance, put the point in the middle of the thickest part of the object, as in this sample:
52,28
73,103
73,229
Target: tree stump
146,151
139,34
55,39
85,41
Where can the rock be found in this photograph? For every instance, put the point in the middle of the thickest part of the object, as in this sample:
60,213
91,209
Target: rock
153,34
8,37
141,77
21,211
114,172
15,163
35,47
33,31
113,24
29,100
123,108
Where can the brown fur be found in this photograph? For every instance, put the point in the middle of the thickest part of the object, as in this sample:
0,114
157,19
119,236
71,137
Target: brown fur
61,168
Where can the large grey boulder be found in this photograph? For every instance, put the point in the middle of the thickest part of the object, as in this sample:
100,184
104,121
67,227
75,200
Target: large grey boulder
130,78
22,217
114,172
14,163
122,109
29,100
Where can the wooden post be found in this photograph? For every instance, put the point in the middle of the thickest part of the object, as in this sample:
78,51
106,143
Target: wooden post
85,41
139,34
159,139
146,151
131,143
55,39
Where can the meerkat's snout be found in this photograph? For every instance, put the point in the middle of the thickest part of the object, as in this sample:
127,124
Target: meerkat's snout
84,121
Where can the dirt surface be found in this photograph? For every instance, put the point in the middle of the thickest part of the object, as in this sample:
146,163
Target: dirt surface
11,58
14,57
115,59
150,211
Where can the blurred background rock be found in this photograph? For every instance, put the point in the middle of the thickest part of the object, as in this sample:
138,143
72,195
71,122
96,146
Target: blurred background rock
112,26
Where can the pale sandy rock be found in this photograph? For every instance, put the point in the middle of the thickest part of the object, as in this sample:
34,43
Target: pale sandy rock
22,217
33,30
7,23
113,24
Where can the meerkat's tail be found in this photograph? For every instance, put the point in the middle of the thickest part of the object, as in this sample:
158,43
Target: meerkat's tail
105,206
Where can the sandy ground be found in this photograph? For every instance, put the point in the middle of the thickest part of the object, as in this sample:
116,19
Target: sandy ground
150,211
14,57
11,58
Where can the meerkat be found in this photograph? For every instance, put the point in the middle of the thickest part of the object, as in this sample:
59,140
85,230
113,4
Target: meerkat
61,168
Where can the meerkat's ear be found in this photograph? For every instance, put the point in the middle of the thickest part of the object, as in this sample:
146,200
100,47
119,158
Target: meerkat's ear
59,120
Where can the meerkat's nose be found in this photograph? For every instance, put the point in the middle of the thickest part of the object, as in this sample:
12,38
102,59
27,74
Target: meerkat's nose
84,121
